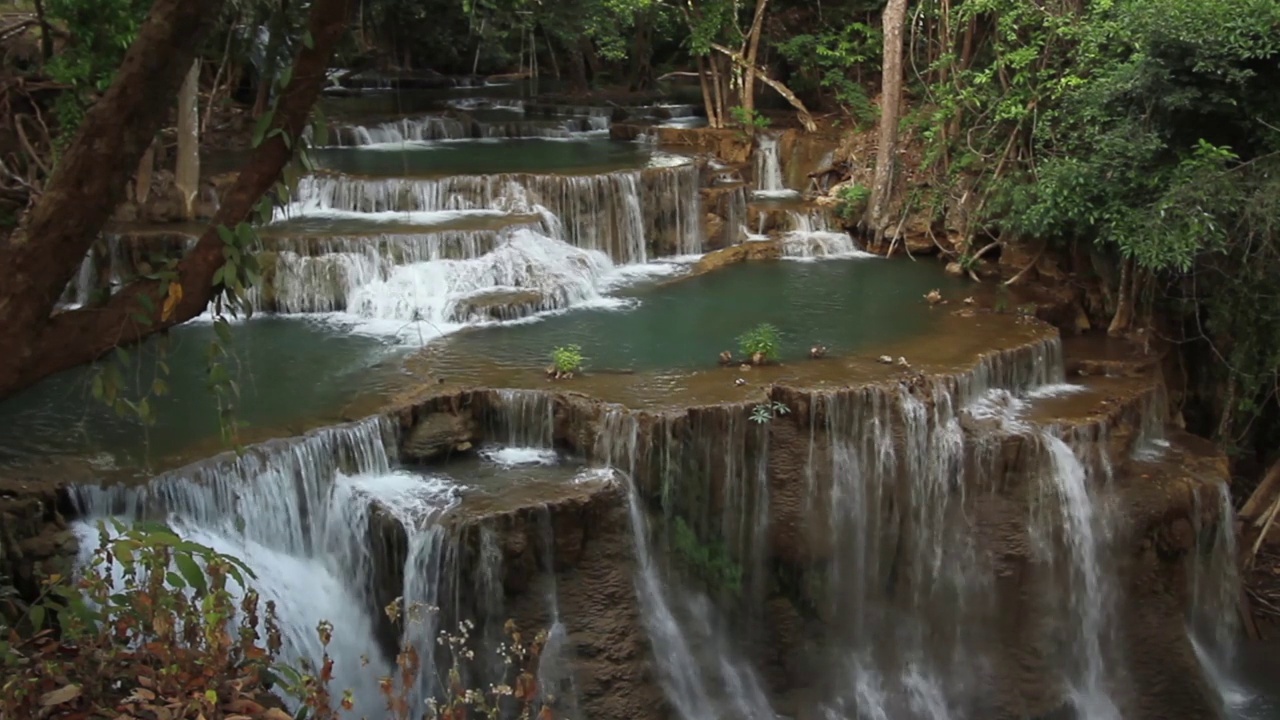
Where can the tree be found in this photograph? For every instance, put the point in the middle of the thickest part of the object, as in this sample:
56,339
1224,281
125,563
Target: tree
895,17
42,254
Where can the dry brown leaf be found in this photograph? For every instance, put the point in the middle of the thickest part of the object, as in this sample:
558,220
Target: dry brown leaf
140,695
244,706
66,693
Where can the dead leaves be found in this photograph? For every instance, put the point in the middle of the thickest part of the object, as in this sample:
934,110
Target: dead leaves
64,694
171,300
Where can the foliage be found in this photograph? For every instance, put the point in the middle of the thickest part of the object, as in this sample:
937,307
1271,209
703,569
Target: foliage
152,625
100,33
709,561
1146,128
152,628
749,120
763,341
851,202
831,59
567,359
764,412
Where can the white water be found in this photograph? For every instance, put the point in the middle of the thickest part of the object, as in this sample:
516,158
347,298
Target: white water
768,166
699,672
1089,597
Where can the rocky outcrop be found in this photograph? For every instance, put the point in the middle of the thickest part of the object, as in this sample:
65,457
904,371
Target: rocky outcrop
35,541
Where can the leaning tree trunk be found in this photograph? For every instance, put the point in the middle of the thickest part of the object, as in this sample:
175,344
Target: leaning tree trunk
752,50
895,14
91,178
73,338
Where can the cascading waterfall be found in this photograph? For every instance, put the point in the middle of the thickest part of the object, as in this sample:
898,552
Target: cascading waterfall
537,272
1089,596
768,166
284,509
429,127
700,673
594,212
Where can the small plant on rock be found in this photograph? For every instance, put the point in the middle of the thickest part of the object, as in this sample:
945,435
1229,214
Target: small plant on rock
566,361
761,343
851,202
764,412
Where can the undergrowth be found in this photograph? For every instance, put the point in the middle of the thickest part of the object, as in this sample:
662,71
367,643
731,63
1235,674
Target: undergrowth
155,626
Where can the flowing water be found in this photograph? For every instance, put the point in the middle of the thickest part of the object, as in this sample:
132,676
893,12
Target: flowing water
480,237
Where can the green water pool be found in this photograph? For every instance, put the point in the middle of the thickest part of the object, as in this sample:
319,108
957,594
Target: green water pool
292,374
482,157
299,372
848,305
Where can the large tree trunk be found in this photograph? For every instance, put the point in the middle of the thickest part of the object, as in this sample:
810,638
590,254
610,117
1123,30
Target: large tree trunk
91,178
753,49
80,336
895,14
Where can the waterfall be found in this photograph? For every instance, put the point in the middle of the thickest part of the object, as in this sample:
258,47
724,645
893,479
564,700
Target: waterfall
768,166
814,245
699,672
1089,594
521,418
430,127
289,510
604,212
525,273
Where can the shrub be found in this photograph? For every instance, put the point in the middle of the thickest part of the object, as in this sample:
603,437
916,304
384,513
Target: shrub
151,628
567,359
851,202
761,343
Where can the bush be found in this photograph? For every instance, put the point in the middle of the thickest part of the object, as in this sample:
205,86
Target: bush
851,202
761,343
566,359
173,636
151,628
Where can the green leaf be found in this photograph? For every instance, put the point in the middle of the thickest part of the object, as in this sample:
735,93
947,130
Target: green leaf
308,41
36,616
223,329
260,129
228,237
191,572
286,76
147,303
141,318
175,581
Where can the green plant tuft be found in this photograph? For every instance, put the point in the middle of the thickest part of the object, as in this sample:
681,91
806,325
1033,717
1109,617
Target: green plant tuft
851,202
761,343
567,359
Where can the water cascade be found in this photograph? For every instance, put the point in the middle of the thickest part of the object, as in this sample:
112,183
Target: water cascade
768,167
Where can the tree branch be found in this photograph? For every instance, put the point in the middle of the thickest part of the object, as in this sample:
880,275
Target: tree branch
44,252
806,119
80,336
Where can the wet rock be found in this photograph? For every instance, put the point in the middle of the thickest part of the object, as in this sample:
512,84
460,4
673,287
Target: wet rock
500,305
753,250
435,436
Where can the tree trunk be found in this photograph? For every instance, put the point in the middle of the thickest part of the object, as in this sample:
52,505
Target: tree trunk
717,90
753,49
708,100
895,14
129,114
801,111
91,178
186,173
46,32
1122,320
